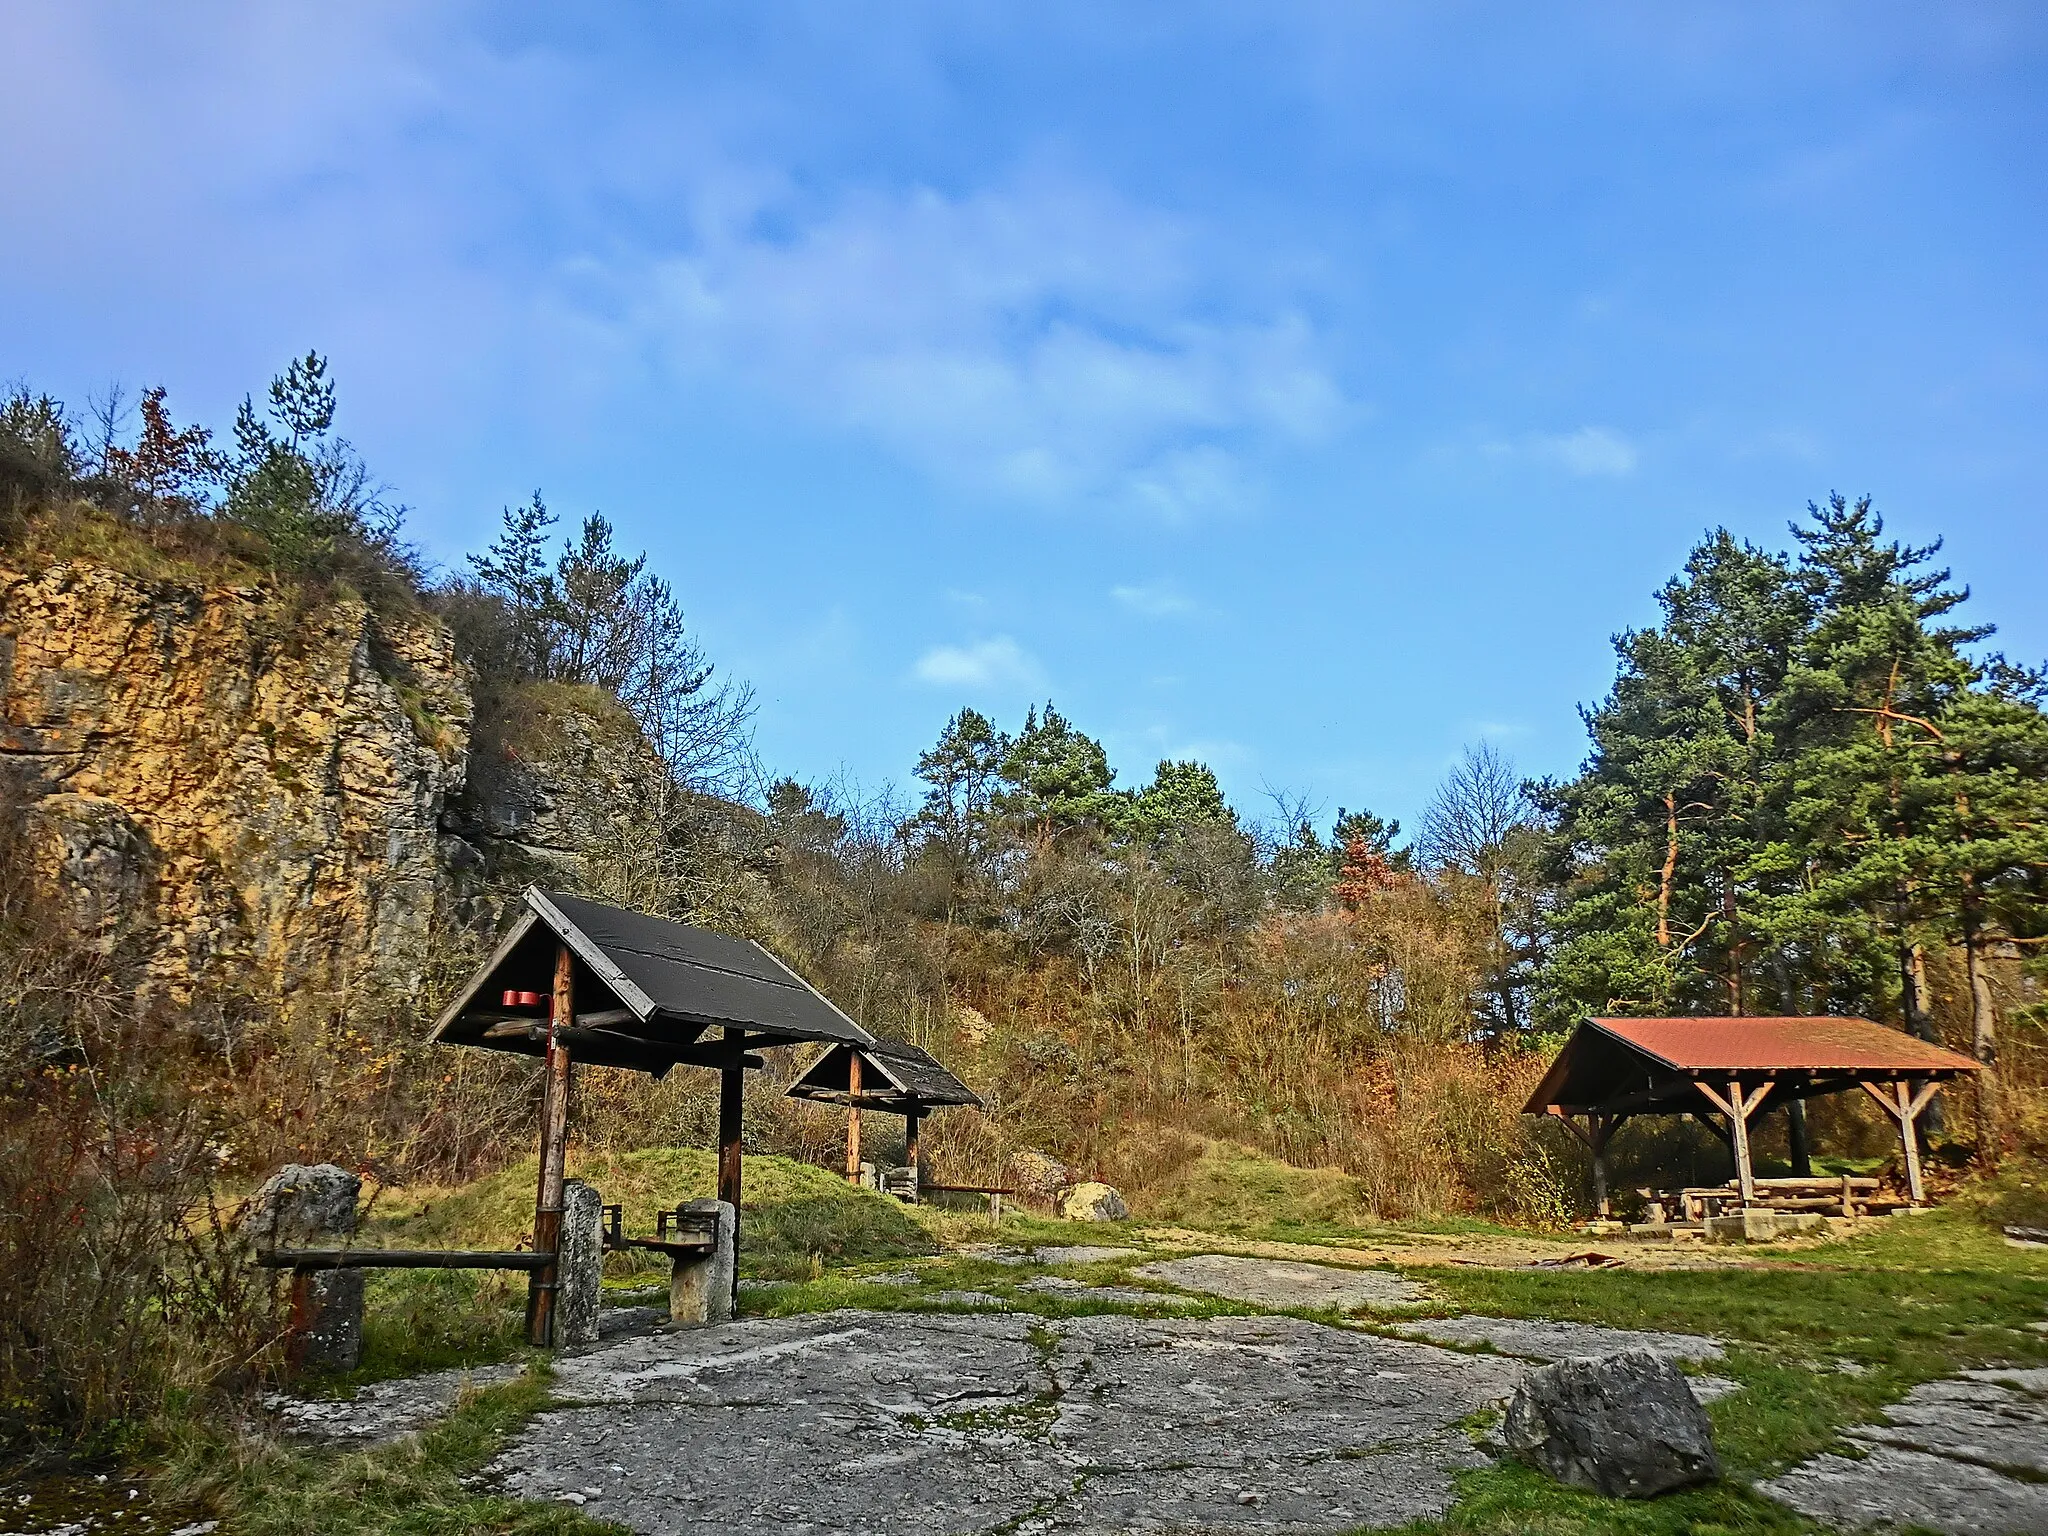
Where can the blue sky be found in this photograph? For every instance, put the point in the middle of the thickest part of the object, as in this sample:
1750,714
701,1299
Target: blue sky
1313,390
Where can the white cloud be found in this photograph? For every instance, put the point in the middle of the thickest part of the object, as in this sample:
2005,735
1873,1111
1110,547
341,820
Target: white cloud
1043,339
1153,599
997,663
1590,451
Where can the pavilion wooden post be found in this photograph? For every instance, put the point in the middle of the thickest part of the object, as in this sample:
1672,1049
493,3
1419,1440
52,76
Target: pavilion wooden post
910,1152
554,1137
1738,1107
1904,1104
732,1082
1599,1129
853,1117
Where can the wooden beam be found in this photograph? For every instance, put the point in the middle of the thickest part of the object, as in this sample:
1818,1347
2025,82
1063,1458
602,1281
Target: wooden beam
1725,1106
398,1258
853,1117
1599,1130
910,1149
613,1048
554,1138
732,1084
1904,1105
1739,1105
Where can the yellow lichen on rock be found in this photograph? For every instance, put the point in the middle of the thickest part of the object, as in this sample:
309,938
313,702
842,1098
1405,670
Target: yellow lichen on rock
239,770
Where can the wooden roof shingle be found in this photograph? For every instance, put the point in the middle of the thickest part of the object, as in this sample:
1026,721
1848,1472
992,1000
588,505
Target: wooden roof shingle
895,1076
646,989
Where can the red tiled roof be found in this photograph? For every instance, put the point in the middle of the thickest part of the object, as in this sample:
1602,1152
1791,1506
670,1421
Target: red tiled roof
1783,1045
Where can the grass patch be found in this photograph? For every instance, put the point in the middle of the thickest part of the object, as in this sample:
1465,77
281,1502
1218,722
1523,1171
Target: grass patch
1513,1500
1240,1192
796,1221
418,1320
1233,1189
414,1487
1922,1297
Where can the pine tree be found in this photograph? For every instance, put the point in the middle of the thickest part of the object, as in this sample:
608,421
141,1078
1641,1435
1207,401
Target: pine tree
1058,779
1654,843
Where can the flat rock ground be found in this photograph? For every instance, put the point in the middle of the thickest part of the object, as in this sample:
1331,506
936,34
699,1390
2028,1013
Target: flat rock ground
863,1421
860,1421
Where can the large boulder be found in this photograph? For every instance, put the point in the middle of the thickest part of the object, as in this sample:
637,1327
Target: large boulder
1094,1202
304,1206
1038,1178
1625,1425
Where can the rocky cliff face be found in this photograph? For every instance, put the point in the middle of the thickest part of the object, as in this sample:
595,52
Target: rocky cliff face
261,783
287,794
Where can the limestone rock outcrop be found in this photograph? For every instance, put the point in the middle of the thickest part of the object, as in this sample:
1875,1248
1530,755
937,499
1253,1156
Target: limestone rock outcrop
259,778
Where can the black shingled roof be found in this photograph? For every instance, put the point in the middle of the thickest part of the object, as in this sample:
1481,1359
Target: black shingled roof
646,989
895,1076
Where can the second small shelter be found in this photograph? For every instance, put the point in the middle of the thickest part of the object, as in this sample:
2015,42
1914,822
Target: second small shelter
892,1076
576,980
1612,1070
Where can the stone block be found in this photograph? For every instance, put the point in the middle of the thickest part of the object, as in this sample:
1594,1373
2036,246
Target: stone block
579,1272
700,1290
327,1321
314,1206
304,1206
1624,1425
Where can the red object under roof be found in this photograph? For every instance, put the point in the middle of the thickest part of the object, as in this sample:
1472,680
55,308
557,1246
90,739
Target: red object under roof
1783,1045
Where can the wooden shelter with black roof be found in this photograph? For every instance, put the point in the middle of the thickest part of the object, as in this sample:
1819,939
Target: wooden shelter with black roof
1612,1070
578,981
892,1076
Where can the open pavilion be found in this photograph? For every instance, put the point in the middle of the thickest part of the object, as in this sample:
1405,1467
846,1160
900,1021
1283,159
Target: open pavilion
1612,1070
579,981
892,1076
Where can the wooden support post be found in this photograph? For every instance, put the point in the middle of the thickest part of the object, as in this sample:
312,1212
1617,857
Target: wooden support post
1738,1107
1602,1128
1904,1105
1598,1129
853,1117
732,1082
554,1137
910,1151
1802,1151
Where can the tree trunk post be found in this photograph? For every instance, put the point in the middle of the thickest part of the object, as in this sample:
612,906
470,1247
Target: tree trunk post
1904,1104
1983,1042
732,1082
554,1136
1802,1151
852,1116
1602,1126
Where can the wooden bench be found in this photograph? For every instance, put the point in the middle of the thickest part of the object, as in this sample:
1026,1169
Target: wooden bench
995,1193
696,1233
1842,1195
